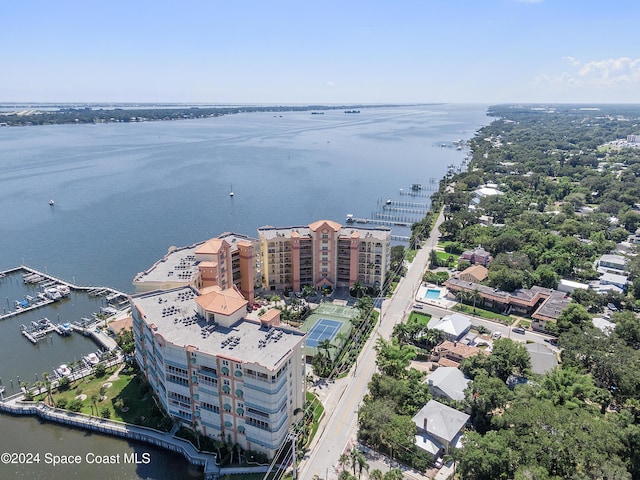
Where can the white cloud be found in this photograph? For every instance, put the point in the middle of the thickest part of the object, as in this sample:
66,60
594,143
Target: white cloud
572,61
331,83
610,72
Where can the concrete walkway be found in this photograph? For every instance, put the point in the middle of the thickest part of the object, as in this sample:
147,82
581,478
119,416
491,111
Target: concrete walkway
166,440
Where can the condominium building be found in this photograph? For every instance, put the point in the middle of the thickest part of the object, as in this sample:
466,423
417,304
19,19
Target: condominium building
227,260
323,253
225,376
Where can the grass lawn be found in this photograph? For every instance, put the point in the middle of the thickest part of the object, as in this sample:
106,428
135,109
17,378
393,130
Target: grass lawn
444,257
420,318
124,397
489,315
317,410
410,254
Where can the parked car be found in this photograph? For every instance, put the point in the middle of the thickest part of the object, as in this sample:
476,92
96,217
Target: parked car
496,335
418,306
519,330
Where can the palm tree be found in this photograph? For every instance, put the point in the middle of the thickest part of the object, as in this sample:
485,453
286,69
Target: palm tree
461,296
343,459
47,384
475,296
326,345
358,459
402,332
358,289
94,403
375,474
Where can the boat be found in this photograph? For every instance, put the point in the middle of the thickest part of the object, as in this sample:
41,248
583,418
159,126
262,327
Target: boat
63,370
65,328
64,290
53,294
51,202
388,201
231,191
92,359
349,218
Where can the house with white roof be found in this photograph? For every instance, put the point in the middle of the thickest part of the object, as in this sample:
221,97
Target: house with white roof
619,281
611,263
448,382
439,428
604,325
454,326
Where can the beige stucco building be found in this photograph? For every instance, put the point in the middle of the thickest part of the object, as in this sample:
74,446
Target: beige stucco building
215,371
224,261
323,253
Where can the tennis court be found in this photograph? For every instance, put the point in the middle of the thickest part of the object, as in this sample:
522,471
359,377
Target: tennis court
322,330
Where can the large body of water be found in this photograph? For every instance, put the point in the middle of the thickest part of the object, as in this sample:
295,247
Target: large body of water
125,193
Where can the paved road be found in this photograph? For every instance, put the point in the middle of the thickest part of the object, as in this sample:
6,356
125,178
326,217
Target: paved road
338,430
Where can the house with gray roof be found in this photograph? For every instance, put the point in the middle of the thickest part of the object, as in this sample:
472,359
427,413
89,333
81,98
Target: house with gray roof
448,382
542,357
439,428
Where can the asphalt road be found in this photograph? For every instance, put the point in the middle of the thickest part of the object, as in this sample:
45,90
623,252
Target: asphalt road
337,432
339,427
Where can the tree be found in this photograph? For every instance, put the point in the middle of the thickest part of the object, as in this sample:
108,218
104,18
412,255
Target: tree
485,457
574,315
474,296
100,370
393,358
484,396
509,358
358,290
358,460
566,386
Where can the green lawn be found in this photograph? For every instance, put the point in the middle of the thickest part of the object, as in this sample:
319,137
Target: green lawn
125,397
410,254
479,312
421,318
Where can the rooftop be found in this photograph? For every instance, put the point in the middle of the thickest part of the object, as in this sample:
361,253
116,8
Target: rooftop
173,315
179,264
271,233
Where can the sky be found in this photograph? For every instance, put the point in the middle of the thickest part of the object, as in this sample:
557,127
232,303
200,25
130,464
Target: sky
320,52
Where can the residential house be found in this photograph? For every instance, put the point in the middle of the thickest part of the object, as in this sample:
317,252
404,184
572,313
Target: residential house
448,383
477,256
475,274
454,326
450,354
439,428
542,358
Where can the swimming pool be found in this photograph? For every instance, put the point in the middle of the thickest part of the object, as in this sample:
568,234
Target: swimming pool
432,293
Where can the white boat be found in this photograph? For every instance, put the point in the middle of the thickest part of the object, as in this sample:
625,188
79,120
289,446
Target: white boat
65,328
53,293
92,359
231,191
64,290
63,370
51,202
349,218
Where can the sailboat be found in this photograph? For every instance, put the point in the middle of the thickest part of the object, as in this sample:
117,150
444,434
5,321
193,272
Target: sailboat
231,191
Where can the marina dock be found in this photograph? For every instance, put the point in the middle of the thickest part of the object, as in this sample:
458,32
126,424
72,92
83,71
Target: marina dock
53,289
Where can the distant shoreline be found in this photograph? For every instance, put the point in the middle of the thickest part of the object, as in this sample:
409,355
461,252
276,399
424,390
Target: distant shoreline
26,114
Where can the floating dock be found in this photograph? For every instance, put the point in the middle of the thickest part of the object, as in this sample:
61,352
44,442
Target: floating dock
46,281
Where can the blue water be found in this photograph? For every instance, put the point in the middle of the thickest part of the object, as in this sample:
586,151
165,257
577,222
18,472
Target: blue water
125,193
432,293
